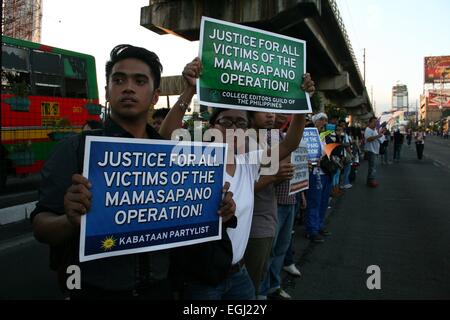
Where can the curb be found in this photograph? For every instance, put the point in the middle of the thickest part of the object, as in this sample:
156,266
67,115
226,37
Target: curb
16,213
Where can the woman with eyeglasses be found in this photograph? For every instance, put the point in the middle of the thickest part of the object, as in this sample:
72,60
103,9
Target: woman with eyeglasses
242,172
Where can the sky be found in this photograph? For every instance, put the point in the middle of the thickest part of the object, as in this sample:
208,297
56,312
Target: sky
96,26
396,34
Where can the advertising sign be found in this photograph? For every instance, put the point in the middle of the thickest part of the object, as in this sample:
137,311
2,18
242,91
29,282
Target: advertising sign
436,99
437,69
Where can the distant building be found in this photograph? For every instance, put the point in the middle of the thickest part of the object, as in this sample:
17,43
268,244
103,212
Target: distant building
399,116
399,96
22,19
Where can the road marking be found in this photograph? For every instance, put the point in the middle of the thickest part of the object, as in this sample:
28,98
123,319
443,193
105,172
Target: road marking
437,164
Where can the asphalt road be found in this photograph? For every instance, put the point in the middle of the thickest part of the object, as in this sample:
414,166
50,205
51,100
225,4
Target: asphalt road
403,227
19,190
24,270
438,150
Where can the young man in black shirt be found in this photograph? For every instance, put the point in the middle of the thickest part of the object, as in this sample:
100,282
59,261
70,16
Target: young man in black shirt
133,77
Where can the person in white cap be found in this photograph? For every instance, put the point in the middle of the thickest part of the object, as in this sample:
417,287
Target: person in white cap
318,193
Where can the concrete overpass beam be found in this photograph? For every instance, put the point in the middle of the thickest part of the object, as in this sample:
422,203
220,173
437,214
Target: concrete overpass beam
354,103
324,44
183,17
358,101
334,83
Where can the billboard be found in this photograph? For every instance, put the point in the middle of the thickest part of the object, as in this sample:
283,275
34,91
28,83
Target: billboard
436,99
437,69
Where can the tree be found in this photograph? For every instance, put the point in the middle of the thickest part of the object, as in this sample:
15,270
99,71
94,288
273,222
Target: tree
446,113
333,111
316,101
15,83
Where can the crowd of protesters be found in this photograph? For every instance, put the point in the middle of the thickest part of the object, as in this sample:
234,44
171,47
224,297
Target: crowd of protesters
258,213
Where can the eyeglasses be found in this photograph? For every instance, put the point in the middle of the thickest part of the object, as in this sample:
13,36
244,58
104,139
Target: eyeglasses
228,123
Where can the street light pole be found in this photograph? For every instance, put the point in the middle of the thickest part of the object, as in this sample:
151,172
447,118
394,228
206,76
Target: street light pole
364,63
442,89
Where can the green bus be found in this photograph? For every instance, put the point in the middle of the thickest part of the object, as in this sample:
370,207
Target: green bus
47,95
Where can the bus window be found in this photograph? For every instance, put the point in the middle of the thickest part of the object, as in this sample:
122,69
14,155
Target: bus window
11,78
74,68
47,74
15,67
76,88
75,77
47,85
15,59
45,62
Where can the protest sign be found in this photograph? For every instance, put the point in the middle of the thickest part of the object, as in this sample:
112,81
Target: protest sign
312,140
250,69
299,158
150,195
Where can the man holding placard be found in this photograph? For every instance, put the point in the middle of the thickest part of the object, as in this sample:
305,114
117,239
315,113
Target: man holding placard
133,78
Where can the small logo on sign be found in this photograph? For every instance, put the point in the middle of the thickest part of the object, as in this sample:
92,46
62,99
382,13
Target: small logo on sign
108,243
214,95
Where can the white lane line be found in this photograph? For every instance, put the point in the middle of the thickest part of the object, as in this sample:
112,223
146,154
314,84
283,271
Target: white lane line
437,164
